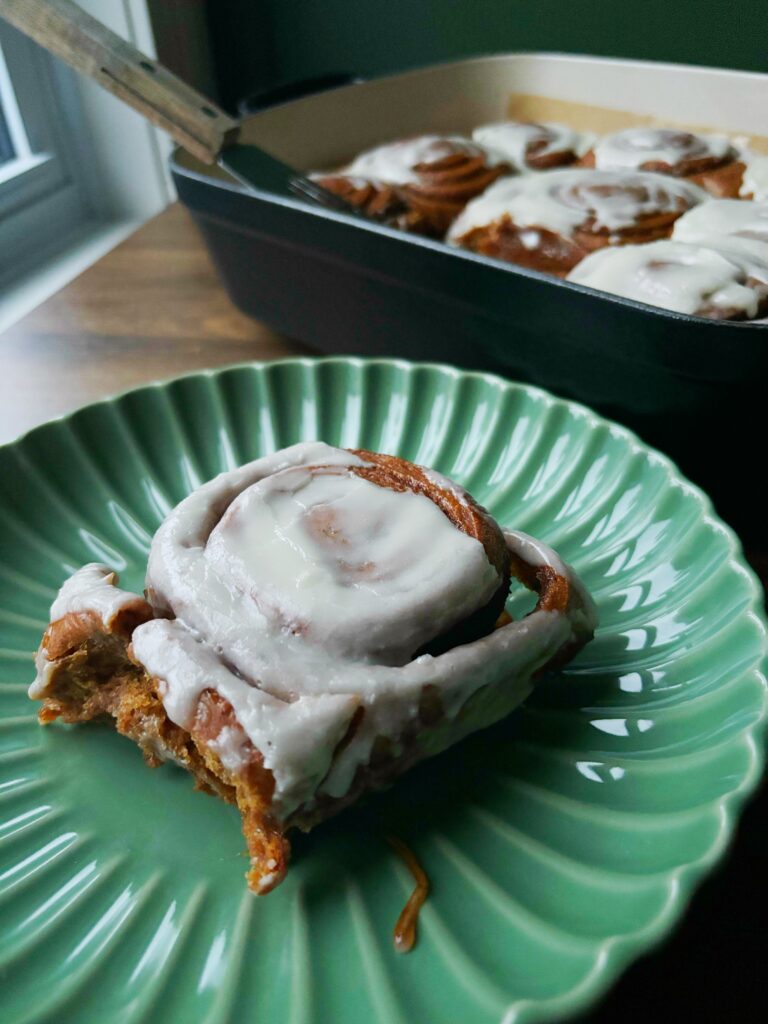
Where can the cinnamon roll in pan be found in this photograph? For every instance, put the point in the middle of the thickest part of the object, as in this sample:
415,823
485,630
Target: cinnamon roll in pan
711,161
726,280
419,184
315,623
550,222
526,145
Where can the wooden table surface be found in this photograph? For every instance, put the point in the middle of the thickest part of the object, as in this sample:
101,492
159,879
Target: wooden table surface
153,308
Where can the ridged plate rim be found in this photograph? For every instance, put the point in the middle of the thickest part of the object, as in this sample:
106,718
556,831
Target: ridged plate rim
614,953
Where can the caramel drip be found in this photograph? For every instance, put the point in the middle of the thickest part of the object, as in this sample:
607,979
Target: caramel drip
405,929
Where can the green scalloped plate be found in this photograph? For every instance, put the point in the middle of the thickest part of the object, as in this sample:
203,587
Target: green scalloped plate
561,843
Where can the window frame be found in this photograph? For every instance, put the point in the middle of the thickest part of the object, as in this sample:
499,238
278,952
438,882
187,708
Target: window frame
41,199
91,165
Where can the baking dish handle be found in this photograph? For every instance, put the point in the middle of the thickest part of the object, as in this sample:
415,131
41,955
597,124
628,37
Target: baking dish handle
283,92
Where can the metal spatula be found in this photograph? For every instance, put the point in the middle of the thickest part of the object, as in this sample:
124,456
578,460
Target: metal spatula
196,124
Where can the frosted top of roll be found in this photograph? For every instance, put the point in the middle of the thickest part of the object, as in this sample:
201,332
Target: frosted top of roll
635,148
396,163
516,141
562,201
357,568
692,279
723,217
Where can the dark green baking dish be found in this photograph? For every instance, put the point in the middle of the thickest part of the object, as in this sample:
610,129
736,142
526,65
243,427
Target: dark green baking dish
689,386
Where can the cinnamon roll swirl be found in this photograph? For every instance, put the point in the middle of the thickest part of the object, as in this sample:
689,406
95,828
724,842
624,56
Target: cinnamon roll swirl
729,282
316,622
710,161
536,147
550,222
419,184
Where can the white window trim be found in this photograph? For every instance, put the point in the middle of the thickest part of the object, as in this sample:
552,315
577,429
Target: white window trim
109,174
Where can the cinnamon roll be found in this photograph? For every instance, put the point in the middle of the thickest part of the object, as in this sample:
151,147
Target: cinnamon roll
550,222
711,161
315,622
536,147
419,184
729,282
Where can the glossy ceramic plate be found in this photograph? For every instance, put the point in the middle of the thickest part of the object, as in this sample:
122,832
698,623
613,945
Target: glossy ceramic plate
561,843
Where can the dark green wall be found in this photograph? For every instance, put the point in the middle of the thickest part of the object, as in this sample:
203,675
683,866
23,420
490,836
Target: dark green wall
261,41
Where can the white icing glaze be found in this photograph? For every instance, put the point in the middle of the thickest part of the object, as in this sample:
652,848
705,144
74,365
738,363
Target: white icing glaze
676,276
723,217
752,250
755,180
445,484
91,589
632,148
511,139
184,563
44,670
362,568
561,201
394,162
240,564
296,738
231,746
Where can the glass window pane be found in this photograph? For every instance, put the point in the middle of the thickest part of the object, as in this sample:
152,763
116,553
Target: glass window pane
6,144
13,137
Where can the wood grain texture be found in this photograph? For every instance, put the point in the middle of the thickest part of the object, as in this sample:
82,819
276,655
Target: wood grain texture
151,309
66,30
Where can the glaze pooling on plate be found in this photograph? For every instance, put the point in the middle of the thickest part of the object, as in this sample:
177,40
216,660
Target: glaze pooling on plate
614,789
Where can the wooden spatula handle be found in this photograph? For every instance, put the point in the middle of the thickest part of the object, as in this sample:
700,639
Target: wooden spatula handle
66,30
